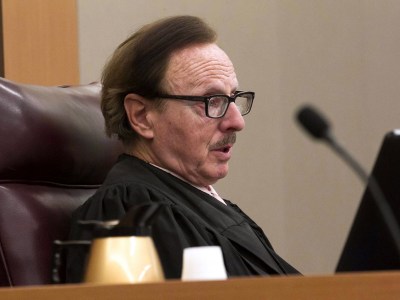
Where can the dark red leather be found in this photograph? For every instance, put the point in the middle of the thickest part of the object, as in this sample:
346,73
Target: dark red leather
53,155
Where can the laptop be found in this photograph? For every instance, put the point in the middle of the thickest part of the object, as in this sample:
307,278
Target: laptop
369,245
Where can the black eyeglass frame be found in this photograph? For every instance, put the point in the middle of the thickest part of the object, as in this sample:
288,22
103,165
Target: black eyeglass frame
206,100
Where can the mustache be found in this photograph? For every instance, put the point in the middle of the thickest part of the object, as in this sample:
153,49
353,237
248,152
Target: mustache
228,139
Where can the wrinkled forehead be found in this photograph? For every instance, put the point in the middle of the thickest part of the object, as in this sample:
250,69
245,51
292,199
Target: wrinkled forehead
199,65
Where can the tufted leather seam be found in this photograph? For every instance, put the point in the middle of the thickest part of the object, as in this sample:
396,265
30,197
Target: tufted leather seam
5,265
49,183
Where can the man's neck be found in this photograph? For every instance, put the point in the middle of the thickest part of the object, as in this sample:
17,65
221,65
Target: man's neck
206,189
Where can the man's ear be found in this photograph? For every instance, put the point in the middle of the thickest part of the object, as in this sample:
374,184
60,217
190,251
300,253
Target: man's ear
138,111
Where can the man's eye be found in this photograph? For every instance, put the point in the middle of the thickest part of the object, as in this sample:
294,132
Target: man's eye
216,101
213,104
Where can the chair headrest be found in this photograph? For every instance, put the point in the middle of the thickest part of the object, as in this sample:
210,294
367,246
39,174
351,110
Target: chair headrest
53,134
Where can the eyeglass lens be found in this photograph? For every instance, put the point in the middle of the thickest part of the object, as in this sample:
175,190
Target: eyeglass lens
218,105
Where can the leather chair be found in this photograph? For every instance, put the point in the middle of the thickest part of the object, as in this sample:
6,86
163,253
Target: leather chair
54,154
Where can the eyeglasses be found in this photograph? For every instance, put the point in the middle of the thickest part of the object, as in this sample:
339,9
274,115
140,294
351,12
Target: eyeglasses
217,105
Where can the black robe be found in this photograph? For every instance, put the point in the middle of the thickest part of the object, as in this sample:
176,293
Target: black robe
191,218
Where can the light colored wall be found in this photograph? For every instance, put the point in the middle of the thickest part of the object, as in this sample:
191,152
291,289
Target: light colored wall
342,56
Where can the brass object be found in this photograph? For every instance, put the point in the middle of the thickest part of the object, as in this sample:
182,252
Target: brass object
131,259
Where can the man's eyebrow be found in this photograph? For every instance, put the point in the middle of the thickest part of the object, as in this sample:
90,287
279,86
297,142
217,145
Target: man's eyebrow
217,91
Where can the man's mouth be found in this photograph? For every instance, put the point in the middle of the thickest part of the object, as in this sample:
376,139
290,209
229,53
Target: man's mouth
225,144
226,149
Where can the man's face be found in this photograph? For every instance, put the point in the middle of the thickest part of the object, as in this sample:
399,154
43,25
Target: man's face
186,141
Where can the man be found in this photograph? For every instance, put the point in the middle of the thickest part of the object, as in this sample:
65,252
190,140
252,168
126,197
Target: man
171,96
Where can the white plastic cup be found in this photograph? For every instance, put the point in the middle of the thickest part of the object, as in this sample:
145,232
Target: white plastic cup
203,263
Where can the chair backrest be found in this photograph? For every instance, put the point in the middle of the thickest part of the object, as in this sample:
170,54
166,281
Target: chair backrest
54,154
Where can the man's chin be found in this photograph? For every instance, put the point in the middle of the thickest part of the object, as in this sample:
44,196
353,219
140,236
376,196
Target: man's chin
213,173
221,172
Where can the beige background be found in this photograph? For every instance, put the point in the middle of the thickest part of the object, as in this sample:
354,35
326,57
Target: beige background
341,55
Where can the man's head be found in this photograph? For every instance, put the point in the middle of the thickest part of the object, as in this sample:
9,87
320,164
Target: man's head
178,126
139,64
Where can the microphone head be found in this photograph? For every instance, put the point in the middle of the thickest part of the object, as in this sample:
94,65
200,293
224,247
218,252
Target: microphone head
313,122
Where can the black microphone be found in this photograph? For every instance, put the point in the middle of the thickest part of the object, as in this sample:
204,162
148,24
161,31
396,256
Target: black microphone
315,124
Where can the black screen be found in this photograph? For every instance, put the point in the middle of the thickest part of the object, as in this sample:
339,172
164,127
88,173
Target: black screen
369,246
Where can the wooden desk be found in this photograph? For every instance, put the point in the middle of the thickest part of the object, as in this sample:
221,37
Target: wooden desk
385,285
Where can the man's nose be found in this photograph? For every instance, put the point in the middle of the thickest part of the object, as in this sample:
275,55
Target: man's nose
233,119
